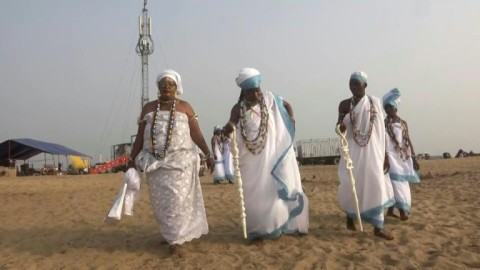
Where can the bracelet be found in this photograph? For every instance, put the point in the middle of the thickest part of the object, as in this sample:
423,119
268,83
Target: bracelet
209,155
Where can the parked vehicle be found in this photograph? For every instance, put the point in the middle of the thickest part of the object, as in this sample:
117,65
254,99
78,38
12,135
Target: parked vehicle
318,151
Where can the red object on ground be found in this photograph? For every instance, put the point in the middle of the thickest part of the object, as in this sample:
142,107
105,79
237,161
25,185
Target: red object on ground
121,160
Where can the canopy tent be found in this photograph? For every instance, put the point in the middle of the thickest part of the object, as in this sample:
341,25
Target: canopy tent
23,149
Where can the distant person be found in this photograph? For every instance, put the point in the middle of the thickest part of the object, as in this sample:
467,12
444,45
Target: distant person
165,149
274,199
228,160
217,149
403,163
362,117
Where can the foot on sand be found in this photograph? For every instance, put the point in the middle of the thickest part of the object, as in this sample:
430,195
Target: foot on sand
257,242
350,224
177,251
381,233
403,215
390,213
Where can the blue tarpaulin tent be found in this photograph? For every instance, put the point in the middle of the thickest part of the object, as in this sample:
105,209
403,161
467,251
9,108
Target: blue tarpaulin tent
23,149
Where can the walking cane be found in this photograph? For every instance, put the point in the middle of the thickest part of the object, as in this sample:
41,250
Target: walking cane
238,178
349,166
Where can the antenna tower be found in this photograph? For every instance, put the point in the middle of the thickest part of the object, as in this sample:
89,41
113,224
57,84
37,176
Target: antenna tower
144,49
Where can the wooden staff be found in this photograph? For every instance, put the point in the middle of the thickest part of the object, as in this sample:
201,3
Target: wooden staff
238,178
349,166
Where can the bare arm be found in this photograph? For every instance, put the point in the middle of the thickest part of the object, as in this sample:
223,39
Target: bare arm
289,109
213,147
196,133
232,122
138,144
416,166
409,141
343,109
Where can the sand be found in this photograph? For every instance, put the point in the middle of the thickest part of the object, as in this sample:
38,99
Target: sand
56,222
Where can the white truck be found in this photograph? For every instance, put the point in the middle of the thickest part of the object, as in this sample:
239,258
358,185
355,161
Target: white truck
318,151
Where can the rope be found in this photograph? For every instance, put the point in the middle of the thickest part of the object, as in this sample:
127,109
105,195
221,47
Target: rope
349,166
238,179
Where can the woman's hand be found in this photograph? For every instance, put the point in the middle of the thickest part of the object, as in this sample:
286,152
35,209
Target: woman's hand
210,164
416,166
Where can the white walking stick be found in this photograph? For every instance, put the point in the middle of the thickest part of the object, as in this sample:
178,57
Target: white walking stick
349,166
238,178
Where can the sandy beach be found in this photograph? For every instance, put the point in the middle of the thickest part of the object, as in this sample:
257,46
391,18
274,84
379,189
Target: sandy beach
56,222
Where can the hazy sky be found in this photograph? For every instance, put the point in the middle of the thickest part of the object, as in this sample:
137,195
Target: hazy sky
70,75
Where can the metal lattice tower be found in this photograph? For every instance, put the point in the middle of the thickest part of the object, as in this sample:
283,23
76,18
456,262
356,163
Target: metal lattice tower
144,49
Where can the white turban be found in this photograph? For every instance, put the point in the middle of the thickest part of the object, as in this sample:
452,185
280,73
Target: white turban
392,97
216,128
172,74
249,78
359,76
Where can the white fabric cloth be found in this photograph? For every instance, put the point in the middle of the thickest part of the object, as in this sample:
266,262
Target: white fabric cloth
128,194
228,160
401,171
274,199
360,76
174,183
248,78
115,212
374,189
132,179
392,97
172,74
219,170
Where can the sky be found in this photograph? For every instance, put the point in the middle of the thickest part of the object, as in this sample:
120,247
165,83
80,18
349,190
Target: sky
70,75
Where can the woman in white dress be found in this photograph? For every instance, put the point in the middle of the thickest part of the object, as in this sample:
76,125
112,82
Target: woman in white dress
403,163
165,148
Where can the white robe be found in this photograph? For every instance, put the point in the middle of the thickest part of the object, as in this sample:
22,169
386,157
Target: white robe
173,182
219,170
228,161
401,172
274,198
374,189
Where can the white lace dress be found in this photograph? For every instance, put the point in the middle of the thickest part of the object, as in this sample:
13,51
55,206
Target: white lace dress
173,183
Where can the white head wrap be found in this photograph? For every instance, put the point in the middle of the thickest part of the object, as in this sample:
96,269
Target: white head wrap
359,76
249,78
172,74
392,97
215,128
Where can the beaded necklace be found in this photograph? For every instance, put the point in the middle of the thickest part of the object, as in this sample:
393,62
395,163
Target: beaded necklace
168,139
256,145
361,138
405,150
